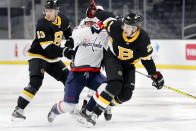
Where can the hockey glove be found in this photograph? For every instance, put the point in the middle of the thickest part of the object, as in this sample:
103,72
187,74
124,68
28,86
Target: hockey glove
68,52
90,12
159,81
98,27
69,43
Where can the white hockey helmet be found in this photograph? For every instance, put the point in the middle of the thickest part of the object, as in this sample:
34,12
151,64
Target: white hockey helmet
100,7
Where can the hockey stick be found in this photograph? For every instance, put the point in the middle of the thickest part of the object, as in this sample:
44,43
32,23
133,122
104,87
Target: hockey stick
170,88
93,3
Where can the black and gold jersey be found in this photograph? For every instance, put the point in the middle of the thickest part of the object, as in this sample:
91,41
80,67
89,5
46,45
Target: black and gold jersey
46,44
128,50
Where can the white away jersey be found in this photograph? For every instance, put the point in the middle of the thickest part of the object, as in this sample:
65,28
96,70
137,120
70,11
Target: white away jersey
88,47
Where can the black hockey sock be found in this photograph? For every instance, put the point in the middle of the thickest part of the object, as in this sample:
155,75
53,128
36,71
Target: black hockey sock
22,103
91,104
98,110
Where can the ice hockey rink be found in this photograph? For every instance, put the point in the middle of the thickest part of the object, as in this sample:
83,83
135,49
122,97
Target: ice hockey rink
148,110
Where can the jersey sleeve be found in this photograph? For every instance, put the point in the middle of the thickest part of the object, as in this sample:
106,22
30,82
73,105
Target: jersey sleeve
146,57
145,47
43,36
67,31
46,42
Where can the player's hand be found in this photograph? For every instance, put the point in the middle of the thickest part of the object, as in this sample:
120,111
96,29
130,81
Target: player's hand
158,80
98,27
68,52
69,43
90,12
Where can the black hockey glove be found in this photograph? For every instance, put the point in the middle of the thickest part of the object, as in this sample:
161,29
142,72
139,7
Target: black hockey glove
69,43
68,52
159,81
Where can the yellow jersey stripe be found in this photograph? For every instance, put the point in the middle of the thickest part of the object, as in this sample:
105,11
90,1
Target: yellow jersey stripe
135,61
131,39
111,41
115,102
46,42
58,21
108,28
39,56
28,94
104,100
146,58
105,22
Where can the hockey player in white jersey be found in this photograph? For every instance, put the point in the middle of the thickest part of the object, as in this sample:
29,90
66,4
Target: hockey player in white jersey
85,66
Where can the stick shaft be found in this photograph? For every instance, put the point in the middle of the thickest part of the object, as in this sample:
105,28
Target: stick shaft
93,3
170,88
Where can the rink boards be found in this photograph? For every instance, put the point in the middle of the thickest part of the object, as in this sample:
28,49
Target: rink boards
168,54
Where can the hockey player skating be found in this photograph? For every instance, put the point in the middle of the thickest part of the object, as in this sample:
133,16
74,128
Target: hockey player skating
129,44
85,66
44,54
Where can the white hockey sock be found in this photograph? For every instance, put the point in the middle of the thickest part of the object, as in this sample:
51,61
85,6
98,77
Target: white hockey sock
64,107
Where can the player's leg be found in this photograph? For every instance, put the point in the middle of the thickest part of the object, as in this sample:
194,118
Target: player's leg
95,80
128,86
36,76
113,88
74,85
58,70
93,83
98,81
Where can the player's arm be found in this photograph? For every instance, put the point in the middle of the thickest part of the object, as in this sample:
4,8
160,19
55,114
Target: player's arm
46,42
107,18
156,76
67,32
147,60
149,64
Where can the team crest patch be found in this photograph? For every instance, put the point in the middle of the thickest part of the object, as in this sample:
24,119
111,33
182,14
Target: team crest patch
120,73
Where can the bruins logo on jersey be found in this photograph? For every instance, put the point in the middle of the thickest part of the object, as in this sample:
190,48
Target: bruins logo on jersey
124,53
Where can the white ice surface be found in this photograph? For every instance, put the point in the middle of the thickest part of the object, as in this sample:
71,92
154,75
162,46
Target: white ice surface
148,110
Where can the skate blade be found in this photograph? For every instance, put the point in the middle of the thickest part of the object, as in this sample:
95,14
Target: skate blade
15,119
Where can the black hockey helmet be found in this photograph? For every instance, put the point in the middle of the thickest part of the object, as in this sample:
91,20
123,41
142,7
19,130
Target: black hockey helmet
52,4
132,19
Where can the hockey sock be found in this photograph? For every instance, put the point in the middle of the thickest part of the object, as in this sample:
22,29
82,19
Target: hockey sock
98,110
22,103
63,107
91,104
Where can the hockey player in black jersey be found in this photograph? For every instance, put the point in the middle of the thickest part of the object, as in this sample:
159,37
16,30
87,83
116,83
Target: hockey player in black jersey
44,54
129,44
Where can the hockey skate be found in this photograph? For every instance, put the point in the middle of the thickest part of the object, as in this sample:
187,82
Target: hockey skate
51,114
108,113
80,118
86,118
17,115
89,119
